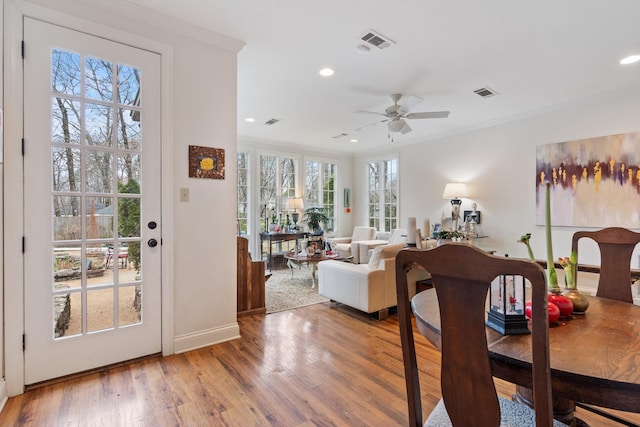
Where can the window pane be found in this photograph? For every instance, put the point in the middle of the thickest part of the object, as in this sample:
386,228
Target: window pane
99,217
382,193
268,183
67,219
328,193
129,305
129,130
312,183
65,121
129,169
242,210
98,74
67,309
99,171
67,271
99,127
128,85
288,181
65,72
99,309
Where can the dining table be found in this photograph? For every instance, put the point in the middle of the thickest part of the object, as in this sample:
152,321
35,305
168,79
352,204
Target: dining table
595,357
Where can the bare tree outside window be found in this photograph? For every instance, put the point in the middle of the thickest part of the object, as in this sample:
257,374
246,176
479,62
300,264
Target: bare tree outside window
319,188
382,194
96,141
242,210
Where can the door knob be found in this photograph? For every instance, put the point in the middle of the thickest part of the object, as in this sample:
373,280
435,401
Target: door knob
152,243
152,225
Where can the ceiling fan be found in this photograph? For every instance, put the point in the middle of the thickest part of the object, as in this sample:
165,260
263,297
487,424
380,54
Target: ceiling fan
396,114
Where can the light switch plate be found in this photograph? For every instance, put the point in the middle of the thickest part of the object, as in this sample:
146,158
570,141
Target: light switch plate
184,194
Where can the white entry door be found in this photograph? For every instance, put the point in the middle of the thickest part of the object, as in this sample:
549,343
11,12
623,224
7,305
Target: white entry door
92,202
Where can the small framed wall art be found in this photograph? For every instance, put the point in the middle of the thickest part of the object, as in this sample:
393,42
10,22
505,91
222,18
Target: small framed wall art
206,162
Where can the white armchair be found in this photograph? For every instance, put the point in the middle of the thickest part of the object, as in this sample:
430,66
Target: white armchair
367,287
365,247
348,246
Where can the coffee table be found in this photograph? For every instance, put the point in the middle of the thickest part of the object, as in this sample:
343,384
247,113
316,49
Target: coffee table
312,260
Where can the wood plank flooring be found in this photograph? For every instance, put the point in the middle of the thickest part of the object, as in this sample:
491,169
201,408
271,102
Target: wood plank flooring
322,365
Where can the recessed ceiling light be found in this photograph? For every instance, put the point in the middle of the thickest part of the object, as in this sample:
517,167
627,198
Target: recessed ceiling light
630,59
326,72
354,140
249,120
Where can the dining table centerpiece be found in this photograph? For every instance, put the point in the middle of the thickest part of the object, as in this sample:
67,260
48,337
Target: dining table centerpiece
564,303
579,300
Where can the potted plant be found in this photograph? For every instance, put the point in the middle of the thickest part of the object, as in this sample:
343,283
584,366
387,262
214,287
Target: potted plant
449,235
314,218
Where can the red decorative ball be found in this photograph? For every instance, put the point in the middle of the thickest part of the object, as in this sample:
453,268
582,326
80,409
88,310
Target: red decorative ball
554,311
564,304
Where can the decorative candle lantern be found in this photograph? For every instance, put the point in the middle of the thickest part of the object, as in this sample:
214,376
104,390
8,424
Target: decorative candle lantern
506,305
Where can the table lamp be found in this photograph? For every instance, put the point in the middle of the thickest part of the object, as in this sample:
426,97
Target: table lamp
293,204
453,191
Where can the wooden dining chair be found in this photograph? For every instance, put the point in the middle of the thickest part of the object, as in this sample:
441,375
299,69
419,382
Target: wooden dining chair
616,248
462,276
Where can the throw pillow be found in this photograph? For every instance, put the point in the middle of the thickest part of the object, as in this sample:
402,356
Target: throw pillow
380,253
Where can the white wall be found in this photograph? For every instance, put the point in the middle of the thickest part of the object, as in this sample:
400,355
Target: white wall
498,163
199,108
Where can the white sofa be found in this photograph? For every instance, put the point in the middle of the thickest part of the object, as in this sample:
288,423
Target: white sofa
367,287
349,245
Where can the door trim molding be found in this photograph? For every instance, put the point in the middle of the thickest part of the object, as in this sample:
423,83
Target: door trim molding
13,281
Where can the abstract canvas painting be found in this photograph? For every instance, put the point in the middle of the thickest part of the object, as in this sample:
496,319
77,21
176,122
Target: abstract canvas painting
595,182
206,162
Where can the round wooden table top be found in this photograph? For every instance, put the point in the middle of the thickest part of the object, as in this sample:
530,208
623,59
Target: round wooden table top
595,357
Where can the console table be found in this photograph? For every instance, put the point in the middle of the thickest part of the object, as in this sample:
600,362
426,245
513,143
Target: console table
279,238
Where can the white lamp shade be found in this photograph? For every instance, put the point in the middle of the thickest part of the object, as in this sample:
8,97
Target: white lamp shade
454,190
295,203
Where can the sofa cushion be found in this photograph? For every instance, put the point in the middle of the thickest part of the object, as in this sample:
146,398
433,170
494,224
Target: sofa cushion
376,261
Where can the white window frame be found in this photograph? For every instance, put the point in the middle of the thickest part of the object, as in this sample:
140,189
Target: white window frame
319,199
382,221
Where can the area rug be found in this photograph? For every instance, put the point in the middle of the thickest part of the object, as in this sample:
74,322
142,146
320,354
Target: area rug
285,291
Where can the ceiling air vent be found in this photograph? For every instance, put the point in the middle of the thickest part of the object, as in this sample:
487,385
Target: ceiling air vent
486,92
339,135
377,40
271,122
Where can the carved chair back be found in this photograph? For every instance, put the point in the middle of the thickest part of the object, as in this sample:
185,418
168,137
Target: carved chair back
616,248
462,277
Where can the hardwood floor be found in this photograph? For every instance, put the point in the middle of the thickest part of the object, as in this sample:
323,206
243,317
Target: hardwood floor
321,365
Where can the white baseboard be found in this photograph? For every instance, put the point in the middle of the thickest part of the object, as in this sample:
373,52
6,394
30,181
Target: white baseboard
205,338
3,394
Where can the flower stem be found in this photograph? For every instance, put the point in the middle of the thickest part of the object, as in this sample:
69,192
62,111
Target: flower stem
552,277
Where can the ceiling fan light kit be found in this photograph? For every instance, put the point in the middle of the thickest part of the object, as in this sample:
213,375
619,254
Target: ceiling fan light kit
396,125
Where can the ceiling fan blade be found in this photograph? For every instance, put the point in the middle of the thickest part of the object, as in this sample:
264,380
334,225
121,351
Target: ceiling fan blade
405,129
370,125
428,115
370,112
409,103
